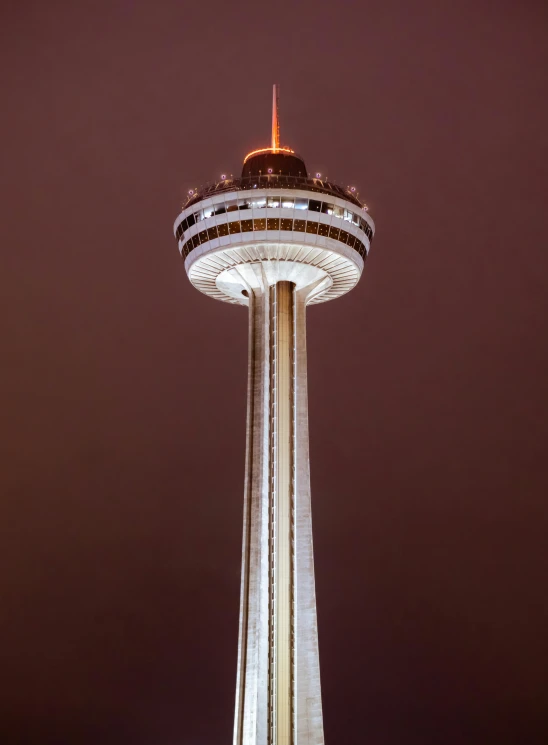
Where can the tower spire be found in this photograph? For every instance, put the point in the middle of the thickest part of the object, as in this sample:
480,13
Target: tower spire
275,120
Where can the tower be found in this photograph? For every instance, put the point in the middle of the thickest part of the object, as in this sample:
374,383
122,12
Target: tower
276,240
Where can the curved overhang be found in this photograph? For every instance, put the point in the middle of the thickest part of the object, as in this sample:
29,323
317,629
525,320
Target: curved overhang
223,271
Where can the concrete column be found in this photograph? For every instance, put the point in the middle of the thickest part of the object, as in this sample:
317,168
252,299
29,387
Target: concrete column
251,725
308,715
278,697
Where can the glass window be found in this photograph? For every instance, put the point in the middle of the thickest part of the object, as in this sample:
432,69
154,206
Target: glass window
338,211
231,206
220,209
208,212
327,209
234,227
323,229
355,219
347,215
287,224
244,204
301,204
311,227
199,215
247,226
222,229
259,203
212,233
203,236
286,202
273,223
273,202
351,240
334,233
314,205
299,225
184,225
260,224
190,220
343,236
195,241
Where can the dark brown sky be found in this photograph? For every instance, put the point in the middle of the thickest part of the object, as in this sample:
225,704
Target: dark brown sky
123,388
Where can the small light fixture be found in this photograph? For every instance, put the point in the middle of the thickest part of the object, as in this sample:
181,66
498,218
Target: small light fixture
191,191
223,176
270,170
318,175
352,188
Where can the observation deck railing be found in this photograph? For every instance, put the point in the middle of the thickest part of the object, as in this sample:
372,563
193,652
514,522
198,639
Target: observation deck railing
273,181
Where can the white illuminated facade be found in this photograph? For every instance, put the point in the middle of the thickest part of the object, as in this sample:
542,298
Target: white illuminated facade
276,240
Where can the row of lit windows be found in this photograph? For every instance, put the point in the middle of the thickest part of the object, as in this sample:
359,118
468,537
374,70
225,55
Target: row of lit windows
297,203
274,223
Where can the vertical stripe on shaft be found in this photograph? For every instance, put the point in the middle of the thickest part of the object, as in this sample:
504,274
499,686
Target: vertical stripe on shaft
282,426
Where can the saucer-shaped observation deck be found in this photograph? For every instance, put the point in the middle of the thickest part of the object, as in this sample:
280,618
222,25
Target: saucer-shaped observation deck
277,220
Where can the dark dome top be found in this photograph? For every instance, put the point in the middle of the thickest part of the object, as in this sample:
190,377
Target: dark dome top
265,162
269,169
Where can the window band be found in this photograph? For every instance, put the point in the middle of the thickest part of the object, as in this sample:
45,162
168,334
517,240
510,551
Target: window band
273,223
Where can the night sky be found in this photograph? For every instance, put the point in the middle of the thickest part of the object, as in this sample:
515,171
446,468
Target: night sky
124,389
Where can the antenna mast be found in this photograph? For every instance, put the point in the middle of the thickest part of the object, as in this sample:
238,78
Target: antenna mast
275,120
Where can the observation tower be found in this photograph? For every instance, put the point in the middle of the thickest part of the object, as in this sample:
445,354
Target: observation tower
276,240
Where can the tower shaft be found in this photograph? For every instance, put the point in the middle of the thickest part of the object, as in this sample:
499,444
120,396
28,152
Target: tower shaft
278,700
